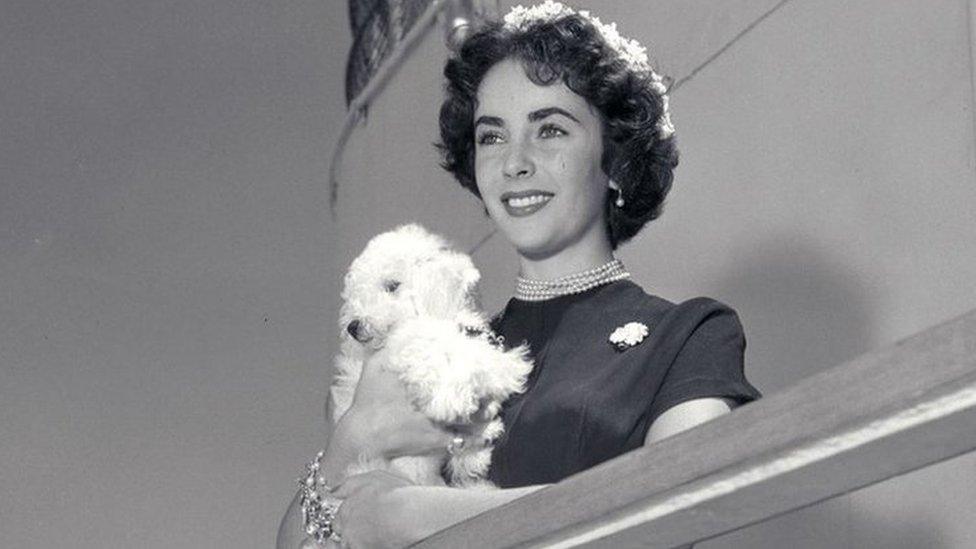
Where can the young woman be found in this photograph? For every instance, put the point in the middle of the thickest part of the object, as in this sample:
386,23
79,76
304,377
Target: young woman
562,129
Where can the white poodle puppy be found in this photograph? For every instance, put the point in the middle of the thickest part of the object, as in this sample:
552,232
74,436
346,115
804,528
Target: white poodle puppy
413,299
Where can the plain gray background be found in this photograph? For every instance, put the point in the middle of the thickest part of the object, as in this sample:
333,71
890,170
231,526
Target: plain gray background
169,265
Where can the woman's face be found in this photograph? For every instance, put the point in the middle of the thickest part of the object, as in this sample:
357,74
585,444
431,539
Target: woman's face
537,162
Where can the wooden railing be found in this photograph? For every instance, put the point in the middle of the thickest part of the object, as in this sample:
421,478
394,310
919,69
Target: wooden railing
883,414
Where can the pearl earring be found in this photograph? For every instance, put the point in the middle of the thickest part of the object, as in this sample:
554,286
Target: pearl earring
620,195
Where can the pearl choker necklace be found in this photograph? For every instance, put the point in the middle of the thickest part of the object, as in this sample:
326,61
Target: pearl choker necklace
527,289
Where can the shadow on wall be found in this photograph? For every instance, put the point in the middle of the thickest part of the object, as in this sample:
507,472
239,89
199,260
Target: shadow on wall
832,525
803,311
885,533
911,533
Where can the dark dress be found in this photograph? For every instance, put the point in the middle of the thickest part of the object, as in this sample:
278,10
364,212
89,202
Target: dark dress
586,401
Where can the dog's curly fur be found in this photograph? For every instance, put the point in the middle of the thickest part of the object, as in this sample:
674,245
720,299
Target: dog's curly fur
413,299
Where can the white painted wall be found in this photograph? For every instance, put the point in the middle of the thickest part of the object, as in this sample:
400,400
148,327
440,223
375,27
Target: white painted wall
164,266
169,266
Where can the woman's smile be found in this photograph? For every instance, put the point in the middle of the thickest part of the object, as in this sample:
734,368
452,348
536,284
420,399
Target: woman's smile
525,203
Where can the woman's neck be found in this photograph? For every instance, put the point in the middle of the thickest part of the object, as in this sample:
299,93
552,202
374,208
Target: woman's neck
566,262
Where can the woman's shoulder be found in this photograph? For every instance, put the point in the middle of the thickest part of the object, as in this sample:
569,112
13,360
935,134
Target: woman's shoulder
628,295
622,301
630,301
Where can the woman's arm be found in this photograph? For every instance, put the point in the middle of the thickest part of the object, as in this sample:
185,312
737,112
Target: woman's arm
343,449
290,531
685,416
382,510
381,423
439,507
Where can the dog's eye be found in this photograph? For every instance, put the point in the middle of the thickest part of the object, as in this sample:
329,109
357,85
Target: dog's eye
391,285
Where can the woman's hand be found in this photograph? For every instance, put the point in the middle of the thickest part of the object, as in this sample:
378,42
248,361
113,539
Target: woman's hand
385,422
382,423
372,513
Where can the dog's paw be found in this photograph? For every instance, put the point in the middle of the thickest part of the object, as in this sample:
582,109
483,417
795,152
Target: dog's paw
496,374
476,484
470,467
492,430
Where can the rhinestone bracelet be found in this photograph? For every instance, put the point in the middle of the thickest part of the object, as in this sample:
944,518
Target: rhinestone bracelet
318,512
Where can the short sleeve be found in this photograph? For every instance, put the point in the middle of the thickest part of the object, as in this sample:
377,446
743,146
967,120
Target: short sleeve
709,361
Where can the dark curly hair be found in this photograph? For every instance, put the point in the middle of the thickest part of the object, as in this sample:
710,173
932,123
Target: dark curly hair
572,50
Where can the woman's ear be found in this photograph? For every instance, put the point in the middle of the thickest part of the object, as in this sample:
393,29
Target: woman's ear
611,151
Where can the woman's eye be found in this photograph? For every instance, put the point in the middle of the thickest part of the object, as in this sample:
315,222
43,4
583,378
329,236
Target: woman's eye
489,138
551,130
391,285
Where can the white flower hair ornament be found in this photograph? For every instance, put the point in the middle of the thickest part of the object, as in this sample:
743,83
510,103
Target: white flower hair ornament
630,51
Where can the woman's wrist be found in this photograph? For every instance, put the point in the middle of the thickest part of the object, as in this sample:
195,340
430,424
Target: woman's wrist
417,512
402,516
350,440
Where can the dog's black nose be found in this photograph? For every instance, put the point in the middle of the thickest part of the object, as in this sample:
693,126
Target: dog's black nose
353,329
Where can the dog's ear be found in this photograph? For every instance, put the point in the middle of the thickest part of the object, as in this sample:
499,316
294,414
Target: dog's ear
463,269
445,284
470,276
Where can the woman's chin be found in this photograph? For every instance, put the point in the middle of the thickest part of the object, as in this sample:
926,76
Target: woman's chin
538,241
535,249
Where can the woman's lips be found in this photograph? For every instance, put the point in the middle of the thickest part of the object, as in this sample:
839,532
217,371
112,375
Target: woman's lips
523,203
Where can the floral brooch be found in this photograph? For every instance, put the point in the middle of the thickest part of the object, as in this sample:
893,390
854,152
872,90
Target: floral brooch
628,335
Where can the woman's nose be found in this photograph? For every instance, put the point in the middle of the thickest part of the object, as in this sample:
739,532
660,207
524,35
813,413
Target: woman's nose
518,164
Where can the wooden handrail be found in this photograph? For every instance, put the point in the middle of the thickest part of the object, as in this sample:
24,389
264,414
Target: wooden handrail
883,414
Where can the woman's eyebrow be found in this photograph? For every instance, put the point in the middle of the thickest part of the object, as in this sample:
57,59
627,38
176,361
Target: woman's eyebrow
489,121
549,111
